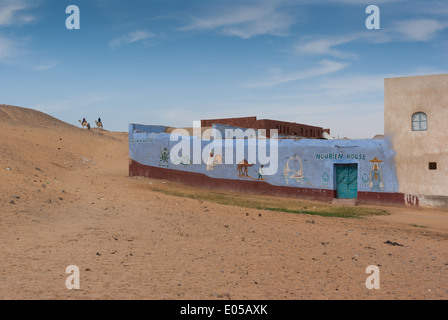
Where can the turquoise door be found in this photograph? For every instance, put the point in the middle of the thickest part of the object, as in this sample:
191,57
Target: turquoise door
347,181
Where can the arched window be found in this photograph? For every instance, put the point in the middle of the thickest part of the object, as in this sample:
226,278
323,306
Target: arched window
419,122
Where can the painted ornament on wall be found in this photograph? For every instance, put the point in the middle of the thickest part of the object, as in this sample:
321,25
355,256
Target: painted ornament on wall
183,161
293,170
164,158
213,160
365,179
325,179
376,176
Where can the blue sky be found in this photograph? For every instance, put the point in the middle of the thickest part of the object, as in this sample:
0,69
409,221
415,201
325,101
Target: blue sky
171,62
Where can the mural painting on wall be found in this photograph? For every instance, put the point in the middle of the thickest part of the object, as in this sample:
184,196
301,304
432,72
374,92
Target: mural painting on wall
365,179
260,173
325,179
213,160
164,157
293,170
242,168
184,160
376,176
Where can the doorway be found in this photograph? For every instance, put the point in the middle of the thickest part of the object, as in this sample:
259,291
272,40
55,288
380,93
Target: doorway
346,181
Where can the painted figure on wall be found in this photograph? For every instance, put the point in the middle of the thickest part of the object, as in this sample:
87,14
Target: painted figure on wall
242,168
164,157
213,160
365,179
184,160
260,173
294,170
376,176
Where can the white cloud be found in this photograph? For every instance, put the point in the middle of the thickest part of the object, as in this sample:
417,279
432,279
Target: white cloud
11,12
77,103
8,48
351,85
432,7
130,38
276,24
325,46
245,21
45,66
401,31
15,51
325,67
420,29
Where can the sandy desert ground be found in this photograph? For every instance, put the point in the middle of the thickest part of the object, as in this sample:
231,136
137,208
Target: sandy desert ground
66,199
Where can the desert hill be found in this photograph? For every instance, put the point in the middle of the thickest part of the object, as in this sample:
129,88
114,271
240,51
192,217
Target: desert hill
29,117
66,199
37,151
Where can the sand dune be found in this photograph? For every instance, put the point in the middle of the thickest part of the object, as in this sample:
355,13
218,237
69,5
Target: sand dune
29,117
66,199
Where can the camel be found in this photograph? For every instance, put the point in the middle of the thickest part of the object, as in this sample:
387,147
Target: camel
242,167
99,124
84,124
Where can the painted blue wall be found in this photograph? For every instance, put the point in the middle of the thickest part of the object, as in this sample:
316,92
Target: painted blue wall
306,163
